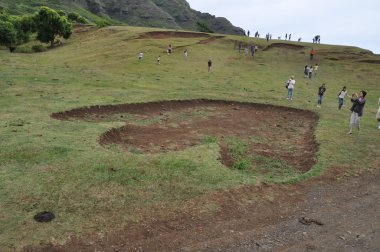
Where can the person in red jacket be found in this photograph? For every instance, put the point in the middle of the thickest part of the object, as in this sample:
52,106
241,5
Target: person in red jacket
312,53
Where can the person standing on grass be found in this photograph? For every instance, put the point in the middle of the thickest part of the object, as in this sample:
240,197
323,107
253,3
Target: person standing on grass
158,59
310,72
357,108
140,55
306,71
291,83
378,115
315,70
312,53
321,92
341,95
209,63
185,53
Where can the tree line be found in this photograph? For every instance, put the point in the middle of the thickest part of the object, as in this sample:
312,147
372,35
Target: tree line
47,24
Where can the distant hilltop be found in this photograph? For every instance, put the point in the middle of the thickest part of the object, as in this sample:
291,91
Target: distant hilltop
175,14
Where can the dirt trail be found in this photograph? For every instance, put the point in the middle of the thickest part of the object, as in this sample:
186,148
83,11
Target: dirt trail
349,211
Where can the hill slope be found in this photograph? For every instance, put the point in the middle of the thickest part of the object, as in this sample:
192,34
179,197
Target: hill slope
175,14
60,166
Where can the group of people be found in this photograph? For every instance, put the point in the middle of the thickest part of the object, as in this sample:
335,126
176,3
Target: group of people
309,70
358,101
169,51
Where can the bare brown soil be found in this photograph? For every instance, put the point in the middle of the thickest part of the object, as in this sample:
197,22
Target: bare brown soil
275,132
285,46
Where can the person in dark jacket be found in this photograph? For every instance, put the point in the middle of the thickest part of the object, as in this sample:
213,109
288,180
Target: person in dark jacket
358,103
321,91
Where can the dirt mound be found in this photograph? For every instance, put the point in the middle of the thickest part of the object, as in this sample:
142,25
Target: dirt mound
284,46
281,135
172,34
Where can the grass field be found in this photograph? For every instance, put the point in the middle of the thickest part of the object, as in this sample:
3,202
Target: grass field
47,164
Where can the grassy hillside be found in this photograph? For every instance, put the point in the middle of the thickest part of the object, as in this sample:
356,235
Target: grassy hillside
47,164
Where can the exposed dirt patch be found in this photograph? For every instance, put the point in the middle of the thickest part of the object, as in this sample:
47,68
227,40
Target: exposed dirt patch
206,38
370,61
285,46
275,133
333,59
172,34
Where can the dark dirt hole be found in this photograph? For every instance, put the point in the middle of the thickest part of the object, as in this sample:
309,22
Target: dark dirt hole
44,216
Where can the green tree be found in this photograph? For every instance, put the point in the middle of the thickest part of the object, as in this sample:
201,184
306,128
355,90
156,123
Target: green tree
8,34
24,26
49,25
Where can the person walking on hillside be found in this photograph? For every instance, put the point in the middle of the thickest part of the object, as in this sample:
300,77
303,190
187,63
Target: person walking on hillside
310,72
316,70
185,53
290,86
158,59
358,102
253,51
312,53
209,63
321,92
140,55
341,95
306,71
170,49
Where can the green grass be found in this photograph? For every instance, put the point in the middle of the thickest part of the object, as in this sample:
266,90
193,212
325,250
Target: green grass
47,164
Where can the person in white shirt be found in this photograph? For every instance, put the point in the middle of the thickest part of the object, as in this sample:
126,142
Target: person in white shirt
315,70
140,56
341,95
291,83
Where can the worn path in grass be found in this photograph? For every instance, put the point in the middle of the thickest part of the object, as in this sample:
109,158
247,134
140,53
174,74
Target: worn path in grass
348,209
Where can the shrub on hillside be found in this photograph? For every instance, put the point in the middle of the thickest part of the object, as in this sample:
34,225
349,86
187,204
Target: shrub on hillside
39,48
75,17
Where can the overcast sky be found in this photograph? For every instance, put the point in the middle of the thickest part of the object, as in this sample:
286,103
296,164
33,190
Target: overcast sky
349,22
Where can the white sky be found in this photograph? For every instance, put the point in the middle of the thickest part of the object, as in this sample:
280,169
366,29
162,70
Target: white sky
342,22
